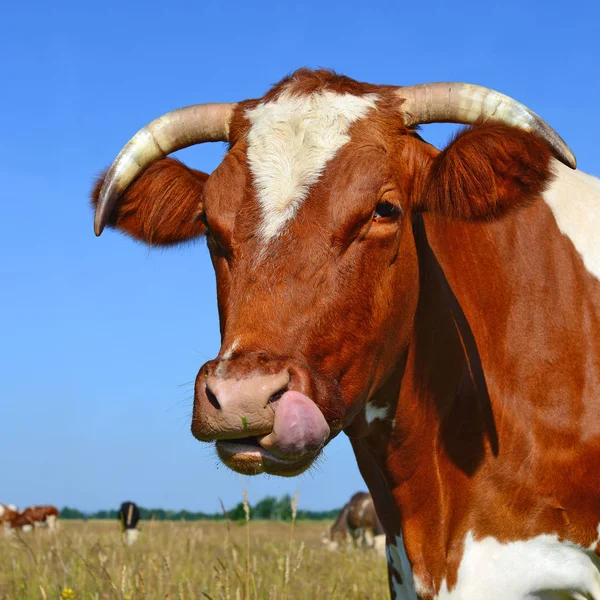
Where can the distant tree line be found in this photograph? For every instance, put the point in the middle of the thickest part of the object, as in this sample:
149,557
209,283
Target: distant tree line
269,508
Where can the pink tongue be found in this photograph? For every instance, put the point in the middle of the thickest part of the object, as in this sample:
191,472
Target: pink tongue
299,427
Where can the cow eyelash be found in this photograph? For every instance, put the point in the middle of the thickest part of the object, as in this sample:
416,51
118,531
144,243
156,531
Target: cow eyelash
386,210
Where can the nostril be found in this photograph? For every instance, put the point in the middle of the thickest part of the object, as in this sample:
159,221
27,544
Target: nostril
212,398
274,397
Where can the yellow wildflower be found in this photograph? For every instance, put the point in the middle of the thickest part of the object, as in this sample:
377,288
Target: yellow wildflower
67,593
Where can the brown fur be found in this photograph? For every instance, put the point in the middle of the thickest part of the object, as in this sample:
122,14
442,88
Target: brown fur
8,515
163,207
32,515
486,171
362,516
339,532
357,522
305,81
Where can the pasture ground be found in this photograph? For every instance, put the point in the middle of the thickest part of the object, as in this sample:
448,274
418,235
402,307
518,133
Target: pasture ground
186,560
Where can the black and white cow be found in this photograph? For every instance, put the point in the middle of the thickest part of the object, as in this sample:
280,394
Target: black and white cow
129,515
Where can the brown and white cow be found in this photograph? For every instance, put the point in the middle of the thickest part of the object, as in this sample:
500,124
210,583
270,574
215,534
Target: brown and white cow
440,307
357,524
36,516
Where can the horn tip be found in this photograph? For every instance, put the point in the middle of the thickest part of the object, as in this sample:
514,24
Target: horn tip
567,157
98,224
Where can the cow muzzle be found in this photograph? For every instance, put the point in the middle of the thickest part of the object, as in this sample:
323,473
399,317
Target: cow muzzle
259,424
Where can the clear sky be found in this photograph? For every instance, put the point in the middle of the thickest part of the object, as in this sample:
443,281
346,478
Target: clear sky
101,338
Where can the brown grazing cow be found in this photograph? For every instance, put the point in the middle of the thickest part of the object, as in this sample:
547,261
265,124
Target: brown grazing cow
440,307
36,516
357,523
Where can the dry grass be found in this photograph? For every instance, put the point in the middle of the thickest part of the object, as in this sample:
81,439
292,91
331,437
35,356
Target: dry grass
186,560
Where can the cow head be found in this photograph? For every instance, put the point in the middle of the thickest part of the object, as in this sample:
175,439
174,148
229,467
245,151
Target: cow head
308,220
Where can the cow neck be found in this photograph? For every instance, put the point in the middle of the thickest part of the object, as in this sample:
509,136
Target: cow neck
492,297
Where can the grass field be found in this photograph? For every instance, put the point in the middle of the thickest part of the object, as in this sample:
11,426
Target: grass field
186,560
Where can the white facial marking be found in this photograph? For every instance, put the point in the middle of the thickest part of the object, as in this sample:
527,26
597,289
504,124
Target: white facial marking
363,508
375,412
574,198
289,143
221,369
229,352
539,568
398,560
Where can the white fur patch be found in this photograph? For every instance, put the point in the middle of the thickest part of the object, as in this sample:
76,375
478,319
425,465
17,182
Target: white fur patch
228,353
26,528
1,510
289,143
363,508
221,370
379,544
12,507
574,198
373,413
594,545
131,536
398,560
539,568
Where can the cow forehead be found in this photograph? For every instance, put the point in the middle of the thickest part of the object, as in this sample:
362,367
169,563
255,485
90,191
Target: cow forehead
290,141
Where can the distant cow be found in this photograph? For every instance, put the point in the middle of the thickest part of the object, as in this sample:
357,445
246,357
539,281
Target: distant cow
7,513
357,523
129,515
35,516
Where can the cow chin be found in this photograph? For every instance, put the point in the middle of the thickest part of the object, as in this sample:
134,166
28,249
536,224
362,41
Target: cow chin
251,459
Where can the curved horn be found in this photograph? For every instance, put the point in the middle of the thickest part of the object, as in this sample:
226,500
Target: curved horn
173,131
469,104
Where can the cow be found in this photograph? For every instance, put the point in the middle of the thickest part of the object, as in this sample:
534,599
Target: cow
36,516
357,524
129,515
7,513
441,307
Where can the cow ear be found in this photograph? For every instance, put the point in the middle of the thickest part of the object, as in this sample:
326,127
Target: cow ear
486,171
162,207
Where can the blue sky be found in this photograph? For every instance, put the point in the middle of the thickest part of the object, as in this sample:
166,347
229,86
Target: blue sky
102,338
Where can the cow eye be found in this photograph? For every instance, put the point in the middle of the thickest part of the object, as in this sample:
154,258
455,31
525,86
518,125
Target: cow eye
386,210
